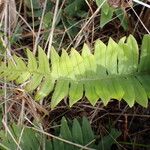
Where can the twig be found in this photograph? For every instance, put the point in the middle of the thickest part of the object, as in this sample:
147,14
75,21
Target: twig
40,27
7,129
50,38
141,3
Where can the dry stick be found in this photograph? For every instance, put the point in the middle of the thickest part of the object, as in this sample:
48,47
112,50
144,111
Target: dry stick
22,113
7,26
70,38
8,53
29,121
3,146
140,20
58,138
7,129
92,37
96,110
115,17
78,23
141,3
40,27
19,10
19,141
50,38
2,14
113,138
64,33
95,13
33,23
129,115
26,23
66,29
145,5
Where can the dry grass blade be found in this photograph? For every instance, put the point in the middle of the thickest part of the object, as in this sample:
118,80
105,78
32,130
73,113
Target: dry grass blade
10,7
9,132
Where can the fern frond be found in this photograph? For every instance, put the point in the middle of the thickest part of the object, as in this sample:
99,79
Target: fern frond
115,71
69,135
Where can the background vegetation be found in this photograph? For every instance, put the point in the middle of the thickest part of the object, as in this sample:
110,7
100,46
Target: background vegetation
28,124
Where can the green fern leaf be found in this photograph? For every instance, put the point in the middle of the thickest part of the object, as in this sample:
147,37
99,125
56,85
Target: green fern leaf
133,46
77,135
9,73
145,80
129,94
88,135
102,91
145,55
111,57
34,82
55,62
90,67
114,71
21,66
44,66
65,65
32,63
75,92
45,88
65,133
78,65
61,90
140,93
100,57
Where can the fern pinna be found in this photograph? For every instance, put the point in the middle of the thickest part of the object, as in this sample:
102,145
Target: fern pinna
114,71
69,135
